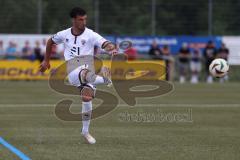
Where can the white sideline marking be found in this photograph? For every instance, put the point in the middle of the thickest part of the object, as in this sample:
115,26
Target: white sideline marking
124,105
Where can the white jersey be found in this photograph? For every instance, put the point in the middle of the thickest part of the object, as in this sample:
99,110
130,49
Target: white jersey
78,45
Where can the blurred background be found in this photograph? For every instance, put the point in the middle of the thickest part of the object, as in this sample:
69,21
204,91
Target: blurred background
185,34
195,121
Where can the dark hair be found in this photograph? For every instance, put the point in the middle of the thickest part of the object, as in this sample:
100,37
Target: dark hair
77,11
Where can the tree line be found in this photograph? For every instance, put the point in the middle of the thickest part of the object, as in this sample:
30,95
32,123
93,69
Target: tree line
125,17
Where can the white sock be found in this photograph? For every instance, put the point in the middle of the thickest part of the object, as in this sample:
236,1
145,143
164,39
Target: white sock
182,79
87,111
209,79
98,80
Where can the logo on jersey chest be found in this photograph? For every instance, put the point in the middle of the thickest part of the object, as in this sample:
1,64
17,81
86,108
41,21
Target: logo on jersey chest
83,41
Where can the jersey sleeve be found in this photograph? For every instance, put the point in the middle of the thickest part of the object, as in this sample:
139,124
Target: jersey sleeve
98,40
58,38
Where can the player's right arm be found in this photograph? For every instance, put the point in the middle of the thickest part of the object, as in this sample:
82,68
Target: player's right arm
46,62
56,39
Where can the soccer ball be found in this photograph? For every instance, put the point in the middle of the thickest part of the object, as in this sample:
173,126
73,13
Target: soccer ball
218,68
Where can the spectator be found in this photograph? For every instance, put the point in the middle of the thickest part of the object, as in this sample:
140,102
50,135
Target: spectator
167,57
54,54
2,53
38,52
43,46
155,52
27,52
209,53
183,59
131,53
11,51
195,64
223,52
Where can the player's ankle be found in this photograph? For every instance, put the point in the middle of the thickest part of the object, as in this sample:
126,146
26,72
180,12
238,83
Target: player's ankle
85,132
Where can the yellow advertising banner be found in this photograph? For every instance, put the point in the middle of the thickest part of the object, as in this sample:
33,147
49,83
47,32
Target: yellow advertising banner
29,70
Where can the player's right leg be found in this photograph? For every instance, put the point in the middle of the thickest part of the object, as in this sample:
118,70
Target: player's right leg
87,92
85,80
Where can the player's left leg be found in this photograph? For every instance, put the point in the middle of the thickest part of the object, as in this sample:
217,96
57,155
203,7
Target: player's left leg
87,76
82,75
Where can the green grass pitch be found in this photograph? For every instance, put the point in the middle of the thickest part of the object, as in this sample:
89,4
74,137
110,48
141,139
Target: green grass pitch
27,121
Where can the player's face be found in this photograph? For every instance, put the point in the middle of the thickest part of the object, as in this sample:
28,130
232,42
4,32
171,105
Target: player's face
80,22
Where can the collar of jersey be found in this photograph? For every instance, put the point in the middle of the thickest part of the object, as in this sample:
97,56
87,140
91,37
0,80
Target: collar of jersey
77,34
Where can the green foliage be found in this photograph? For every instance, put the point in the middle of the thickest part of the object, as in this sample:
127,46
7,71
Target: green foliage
125,17
18,16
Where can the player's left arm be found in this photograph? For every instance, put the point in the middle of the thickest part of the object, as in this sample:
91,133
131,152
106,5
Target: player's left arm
109,47
106,45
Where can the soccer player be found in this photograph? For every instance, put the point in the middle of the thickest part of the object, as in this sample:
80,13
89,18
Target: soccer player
79,42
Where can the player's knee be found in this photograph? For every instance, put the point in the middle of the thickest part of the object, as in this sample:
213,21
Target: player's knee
87,93
86,76
86,116
83,75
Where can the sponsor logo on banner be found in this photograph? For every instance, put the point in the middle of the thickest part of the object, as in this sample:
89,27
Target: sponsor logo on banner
29,70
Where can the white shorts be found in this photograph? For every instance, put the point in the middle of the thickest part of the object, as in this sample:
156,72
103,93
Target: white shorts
73,77
195,66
